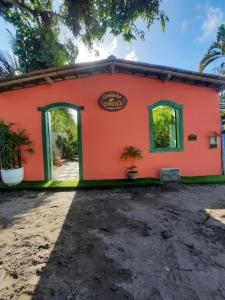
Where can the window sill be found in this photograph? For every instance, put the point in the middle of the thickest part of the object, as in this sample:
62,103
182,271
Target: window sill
159,150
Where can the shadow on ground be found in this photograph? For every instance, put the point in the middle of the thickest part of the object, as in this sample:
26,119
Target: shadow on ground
139,244
78,267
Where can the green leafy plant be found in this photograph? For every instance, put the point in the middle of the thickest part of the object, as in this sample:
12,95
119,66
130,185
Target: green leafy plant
163,121
36,43
132,154
64,126
70,149
12,145
61,120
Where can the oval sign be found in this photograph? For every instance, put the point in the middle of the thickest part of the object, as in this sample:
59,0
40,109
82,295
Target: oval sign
112,101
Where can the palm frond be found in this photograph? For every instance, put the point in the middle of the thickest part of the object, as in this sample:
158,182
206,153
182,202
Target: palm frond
207,59
131,152
8,64
216,51
12,40
221,33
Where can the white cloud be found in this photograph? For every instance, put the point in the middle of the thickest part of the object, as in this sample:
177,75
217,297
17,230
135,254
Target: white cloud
86,55
213,19
131,56
184,26
104,50
113,44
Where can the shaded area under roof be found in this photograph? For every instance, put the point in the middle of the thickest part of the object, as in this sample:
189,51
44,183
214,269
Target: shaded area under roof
112,65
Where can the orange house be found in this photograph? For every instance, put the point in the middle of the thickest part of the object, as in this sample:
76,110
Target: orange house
106,127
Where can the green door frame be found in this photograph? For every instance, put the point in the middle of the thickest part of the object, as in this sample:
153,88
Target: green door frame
46,136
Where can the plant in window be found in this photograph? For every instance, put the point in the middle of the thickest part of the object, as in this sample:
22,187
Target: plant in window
12,146
164,127
132,154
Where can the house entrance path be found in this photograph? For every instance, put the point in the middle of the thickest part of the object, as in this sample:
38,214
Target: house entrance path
68,171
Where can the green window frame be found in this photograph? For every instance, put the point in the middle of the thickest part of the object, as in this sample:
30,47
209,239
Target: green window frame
179,126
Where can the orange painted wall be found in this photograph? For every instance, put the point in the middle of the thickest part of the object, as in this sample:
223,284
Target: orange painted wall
104,134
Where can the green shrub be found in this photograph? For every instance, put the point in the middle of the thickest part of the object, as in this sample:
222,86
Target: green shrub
70,146
12,145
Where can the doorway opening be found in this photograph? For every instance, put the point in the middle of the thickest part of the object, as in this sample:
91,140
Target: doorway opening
62,145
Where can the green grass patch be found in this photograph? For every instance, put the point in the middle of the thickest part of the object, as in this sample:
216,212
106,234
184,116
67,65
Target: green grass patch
203,179
104,184
43,185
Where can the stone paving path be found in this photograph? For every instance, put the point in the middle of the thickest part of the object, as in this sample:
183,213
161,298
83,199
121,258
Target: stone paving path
68,171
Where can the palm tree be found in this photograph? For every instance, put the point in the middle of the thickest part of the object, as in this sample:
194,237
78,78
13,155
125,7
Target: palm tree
12,144
9,65
216,51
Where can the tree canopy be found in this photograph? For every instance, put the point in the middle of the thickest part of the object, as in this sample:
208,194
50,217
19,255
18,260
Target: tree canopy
36,44
39,23
88,19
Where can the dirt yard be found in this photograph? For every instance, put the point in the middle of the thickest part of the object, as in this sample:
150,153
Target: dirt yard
137,243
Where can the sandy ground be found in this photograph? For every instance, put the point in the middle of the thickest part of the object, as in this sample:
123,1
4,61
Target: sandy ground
137,243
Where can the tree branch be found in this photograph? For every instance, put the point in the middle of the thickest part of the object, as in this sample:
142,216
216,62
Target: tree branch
26,8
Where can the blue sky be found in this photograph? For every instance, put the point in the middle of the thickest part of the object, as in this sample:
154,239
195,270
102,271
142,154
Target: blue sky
190,31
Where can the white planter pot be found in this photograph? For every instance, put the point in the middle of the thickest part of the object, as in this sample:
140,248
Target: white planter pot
12,176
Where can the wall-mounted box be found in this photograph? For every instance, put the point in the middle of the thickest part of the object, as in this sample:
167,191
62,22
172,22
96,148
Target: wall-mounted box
192,137
170,174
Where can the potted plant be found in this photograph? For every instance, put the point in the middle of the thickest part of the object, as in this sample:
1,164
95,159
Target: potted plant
12,145
57,150
132,154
